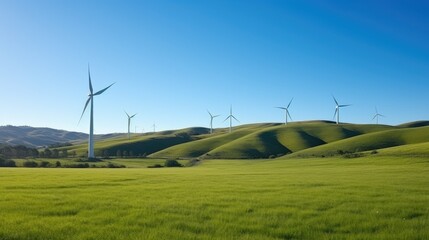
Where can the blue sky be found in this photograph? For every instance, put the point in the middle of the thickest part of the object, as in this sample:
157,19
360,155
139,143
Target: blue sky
172,60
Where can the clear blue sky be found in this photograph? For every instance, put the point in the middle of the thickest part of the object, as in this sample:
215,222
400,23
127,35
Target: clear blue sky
172,60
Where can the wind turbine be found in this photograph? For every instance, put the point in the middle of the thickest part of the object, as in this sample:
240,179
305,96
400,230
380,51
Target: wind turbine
91,121
230,119
287,111
337,109
154,127
129,122
377,115
211,121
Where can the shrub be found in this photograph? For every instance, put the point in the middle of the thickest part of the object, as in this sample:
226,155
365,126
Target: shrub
77,165
155,166
352,155
30,164
7,163
44,164
374,152
112,165
57,164
172,163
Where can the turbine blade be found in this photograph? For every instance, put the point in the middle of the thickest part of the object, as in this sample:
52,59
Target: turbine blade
335,100
227,118
346,105
235,118
133,115
209,113
101,91
282,108
335,113
374,117
86,105
90,84
287,112
127,114
289,103
216,116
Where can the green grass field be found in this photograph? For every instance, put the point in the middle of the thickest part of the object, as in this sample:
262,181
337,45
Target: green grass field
373,197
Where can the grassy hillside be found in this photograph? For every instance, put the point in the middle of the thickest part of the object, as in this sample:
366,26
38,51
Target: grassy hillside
141,144
371,141
264,140
409,150
291,138
203,146
366,198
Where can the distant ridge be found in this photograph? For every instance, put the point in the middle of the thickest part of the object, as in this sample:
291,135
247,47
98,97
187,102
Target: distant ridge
41,136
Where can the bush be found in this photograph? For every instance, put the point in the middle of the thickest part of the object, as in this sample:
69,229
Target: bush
352,155
77,165
57,164
7,163
30,164
172,163
374,152
155,166
44,164
112,165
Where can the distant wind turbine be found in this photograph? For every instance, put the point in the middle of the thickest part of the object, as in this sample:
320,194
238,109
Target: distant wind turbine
211,120
287,111
91,121
337,109
129,122
230,119
377,115
154,127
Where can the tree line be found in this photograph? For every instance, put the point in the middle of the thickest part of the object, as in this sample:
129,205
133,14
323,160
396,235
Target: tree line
7,151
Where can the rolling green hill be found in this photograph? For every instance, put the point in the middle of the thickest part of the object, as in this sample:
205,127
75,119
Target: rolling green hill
141,144
204,146
297,139
281,140
371,141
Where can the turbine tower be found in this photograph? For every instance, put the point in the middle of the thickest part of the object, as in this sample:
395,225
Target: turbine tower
337,109
230,119
129,122
377,115
287,111
91,121
211,121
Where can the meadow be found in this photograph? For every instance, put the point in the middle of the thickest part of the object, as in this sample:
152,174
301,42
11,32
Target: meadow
371,197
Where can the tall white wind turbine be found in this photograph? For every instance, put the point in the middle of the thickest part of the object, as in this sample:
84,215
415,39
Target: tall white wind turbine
91,121
230,119
287,111
211,121
377,115
337,109
129,122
